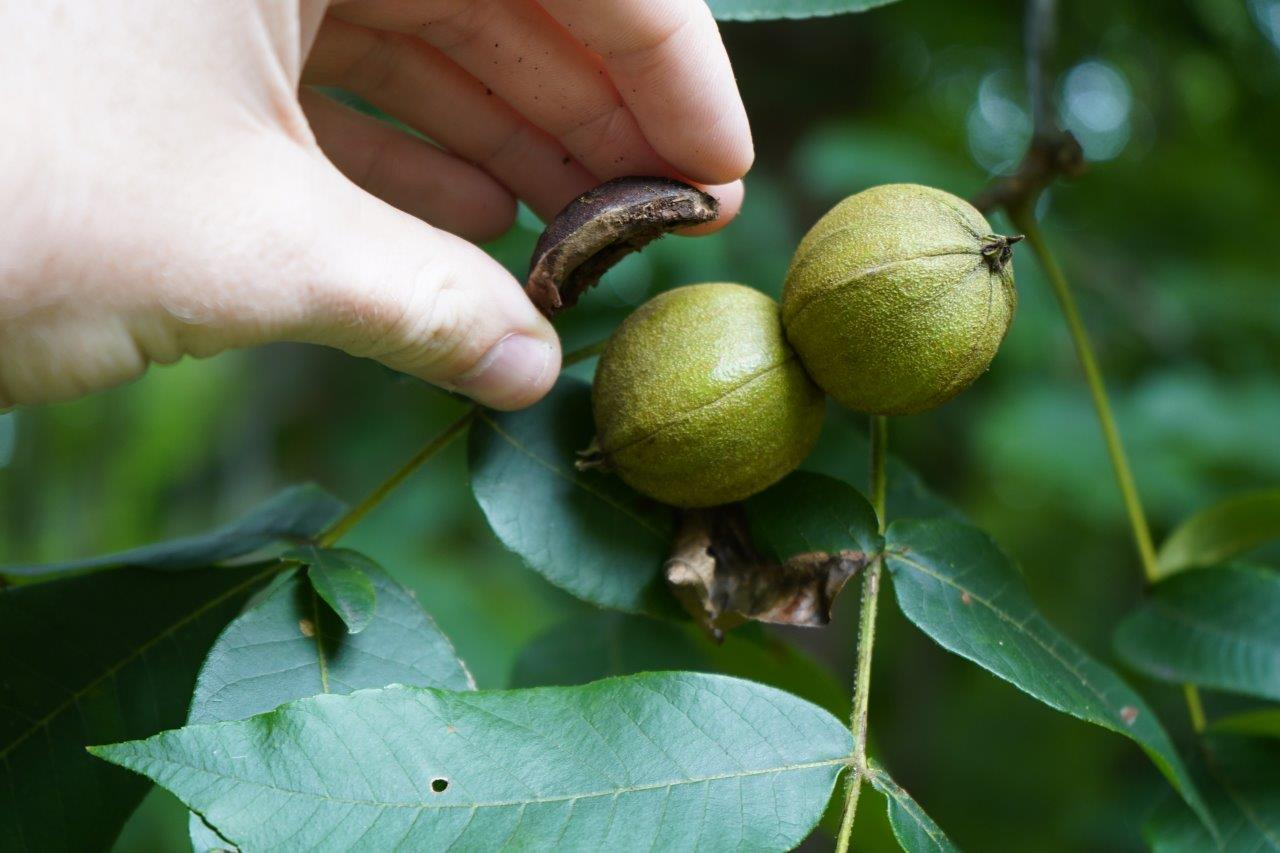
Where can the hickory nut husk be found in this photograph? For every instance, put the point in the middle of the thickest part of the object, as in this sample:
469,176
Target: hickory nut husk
898,298
699,400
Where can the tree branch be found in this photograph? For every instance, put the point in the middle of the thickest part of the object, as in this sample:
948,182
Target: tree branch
1053,152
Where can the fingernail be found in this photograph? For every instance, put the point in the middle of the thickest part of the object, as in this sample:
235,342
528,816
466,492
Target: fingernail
511,374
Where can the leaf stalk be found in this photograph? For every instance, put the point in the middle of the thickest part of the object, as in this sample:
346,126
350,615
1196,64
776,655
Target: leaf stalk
343,525
1023,218
353,516
1026,222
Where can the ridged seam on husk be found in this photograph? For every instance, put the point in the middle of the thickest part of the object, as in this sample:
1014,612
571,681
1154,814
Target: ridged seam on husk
686,415
841,287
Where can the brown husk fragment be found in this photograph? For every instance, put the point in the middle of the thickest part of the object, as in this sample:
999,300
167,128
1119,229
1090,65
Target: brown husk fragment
723,581
601,226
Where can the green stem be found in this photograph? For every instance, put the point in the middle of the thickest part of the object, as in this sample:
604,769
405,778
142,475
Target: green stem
879,451
1195,708
353,516
866,640
583,353
1024,220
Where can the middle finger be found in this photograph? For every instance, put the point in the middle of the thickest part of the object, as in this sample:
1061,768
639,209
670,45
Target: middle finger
534,64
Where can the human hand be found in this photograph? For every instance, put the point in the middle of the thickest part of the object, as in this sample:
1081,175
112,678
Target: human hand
167,192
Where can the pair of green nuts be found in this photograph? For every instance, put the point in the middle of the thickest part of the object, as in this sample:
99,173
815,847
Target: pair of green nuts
896,300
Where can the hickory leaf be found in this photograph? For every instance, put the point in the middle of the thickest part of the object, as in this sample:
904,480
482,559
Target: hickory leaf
84,660
1221,532
645,762
584,531
957,586
1215,627
297,513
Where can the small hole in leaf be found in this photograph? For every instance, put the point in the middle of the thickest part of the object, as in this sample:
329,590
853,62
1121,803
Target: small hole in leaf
439,786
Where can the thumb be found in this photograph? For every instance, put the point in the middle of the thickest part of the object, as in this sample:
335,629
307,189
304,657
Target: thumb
387,286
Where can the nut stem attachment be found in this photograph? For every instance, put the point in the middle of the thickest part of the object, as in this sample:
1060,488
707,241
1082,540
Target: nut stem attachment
998,250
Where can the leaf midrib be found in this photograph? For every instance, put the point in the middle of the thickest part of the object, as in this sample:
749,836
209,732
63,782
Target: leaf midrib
1193,622
1018,626
1246,808
428,806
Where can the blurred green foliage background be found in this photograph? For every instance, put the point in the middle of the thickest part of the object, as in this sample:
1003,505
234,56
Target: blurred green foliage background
1170,241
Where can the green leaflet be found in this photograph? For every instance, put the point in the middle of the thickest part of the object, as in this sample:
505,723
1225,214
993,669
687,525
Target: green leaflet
102,657
916,832
584,531
1222,532
953,582
341,577
768,10
298,512
636,763
1215,627
291,645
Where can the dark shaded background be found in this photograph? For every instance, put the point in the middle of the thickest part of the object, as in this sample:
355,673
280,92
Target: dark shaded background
1170,241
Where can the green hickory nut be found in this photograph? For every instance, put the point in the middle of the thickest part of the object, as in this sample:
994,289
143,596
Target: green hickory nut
699,400
898,298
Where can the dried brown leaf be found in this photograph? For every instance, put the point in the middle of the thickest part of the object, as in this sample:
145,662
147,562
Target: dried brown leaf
722,580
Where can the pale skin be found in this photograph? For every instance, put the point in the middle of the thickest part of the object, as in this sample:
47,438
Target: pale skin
171,185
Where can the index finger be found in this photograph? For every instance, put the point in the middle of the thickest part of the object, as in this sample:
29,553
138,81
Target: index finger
667,61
